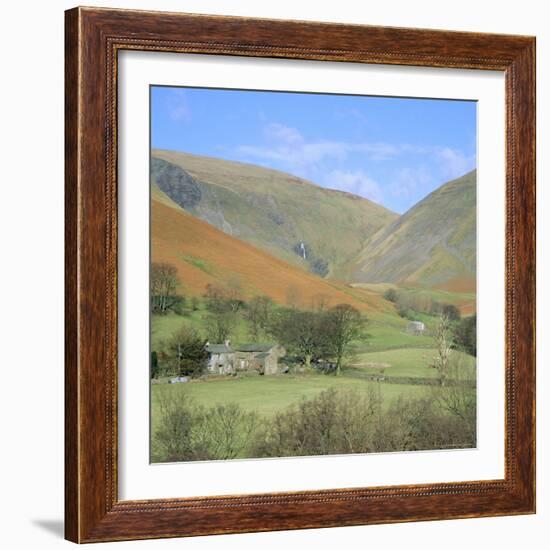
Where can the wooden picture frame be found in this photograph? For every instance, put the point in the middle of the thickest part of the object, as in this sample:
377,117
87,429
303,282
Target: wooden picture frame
93,511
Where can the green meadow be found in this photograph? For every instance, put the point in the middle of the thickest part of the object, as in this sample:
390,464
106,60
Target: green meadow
386,345
270,395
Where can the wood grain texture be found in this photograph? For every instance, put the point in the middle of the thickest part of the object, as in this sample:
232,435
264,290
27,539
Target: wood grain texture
71,274
93,38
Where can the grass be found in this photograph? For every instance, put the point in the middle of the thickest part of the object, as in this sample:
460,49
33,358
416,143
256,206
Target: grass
277,203
269,395
163,326
433,243
386,342
439,295
465,301
389,331
383,330
198,263
410,362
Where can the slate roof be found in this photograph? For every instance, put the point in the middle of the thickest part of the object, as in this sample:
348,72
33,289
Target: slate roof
255,347
219,348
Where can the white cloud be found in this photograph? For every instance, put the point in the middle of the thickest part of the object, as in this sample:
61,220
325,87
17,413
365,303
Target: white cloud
284,134
287,146
454,163
327,162
408,180
178,106
356,182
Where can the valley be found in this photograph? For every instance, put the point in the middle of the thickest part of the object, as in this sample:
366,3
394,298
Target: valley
250,248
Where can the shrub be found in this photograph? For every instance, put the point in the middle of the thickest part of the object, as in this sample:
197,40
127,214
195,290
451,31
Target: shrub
451,312
333,422
188,431
391,295
155,369
407,313
459,399
174,438
178,305
465,335
341,422
185,352
419,424
319,267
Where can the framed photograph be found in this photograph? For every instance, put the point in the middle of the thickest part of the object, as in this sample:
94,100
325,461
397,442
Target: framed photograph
300,275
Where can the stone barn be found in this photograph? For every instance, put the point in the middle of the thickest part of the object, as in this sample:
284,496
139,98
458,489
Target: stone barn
225,359
416,327
221,358
263,358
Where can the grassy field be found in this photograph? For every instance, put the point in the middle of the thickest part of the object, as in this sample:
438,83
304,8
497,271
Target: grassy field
389,331
412,362
269,395
385,342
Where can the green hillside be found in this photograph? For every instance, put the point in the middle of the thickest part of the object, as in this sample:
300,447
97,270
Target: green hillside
317,229
433,244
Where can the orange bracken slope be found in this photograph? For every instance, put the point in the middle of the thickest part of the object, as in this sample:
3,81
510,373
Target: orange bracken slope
204,254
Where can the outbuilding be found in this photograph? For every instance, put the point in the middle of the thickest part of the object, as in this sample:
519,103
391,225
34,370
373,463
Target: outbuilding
416,327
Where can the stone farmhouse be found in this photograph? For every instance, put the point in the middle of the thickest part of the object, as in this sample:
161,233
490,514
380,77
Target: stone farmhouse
226,359
221,358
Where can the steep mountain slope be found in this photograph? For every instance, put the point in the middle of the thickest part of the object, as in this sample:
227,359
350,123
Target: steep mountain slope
318,229
433,244
205,255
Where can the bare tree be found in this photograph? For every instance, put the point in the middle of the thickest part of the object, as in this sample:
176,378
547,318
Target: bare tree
443,345
189,431
258,314
222,305
458,397
342,324
176,418
164,284
215,297
230,430
220,325
234,293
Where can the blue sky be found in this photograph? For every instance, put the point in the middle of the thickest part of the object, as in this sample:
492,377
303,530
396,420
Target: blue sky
393,151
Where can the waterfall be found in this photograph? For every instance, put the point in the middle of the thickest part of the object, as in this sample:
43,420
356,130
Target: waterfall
303,249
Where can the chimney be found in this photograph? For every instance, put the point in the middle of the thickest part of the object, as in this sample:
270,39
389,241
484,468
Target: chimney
227,343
